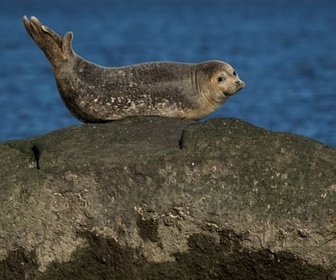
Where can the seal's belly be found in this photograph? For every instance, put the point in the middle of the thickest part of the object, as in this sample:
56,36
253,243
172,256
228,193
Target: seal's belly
115,106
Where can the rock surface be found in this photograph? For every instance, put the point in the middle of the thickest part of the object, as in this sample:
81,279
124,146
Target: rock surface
153,198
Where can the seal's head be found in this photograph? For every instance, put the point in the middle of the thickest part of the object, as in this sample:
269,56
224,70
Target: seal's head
222,78
217,81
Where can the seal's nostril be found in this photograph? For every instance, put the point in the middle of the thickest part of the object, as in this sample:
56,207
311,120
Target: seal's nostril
240,84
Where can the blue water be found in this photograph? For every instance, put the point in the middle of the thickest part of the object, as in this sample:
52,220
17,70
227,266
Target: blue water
284,50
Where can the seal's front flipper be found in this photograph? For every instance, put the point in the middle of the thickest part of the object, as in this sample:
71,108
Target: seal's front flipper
57,49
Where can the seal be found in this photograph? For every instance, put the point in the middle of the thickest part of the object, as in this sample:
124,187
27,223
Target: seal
94,93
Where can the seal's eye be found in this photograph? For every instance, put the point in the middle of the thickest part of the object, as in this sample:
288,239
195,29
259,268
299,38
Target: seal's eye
234,73
221,79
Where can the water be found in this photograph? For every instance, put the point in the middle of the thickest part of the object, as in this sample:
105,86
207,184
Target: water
284,50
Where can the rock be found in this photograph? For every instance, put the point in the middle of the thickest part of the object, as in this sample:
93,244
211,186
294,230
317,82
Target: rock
154,198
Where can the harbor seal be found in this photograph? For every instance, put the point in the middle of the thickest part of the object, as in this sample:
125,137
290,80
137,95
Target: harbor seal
94,93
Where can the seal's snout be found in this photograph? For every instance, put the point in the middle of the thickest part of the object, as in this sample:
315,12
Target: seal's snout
240,84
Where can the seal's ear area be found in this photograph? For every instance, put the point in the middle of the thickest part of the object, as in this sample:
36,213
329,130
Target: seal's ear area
67,45
211,69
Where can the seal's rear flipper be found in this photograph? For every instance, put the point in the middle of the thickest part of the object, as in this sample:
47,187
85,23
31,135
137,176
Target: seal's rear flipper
57,49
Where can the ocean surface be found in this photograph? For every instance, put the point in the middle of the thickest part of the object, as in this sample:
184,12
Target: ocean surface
284,50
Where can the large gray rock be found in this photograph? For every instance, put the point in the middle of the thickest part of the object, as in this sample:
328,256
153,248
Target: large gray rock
153,198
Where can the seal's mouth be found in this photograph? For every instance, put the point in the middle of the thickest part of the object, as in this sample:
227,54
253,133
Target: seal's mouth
239,86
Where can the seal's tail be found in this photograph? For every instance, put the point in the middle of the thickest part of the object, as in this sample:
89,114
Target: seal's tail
57,49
